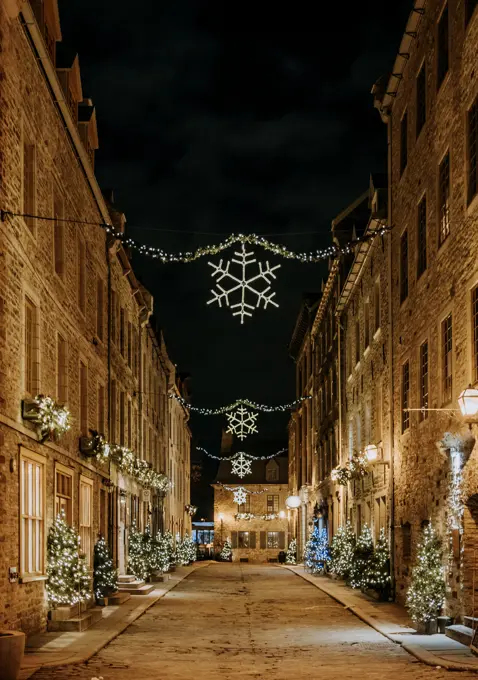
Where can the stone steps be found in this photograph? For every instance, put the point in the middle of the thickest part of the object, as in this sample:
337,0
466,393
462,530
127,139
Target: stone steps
460,633
136,588
117,598
81,621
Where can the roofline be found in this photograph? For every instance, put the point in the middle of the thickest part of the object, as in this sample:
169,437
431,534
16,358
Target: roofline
402,57
325,296
350,208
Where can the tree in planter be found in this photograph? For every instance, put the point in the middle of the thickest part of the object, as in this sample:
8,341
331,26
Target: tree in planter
378,572
161,554
137,563
226,553
105,578
317,553
291,556
426,594
168,542
342,551
362,559
182,552
68,580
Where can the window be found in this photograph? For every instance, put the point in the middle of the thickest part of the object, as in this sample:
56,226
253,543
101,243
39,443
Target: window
376,305
403,142
272,472
121,331
29,184
447,348
113,316
32,501
422,237
406,540
357,341
113,412
272,539
61,370
272,504
378,411
444,199
421,98
101,409
423,381
243,539
474,321
380,520
59,238
122,417
366,321
63,492
245,507
472,143
129,341
405,396
443,47
470,6
83,398
99,308
404,266
31,349
130,426
86,511
82,276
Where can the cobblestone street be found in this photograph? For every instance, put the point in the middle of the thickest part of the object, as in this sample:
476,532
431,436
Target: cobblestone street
244,621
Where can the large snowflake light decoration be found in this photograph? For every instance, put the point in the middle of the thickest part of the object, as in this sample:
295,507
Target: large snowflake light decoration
242,285
240,495
241,465
242,422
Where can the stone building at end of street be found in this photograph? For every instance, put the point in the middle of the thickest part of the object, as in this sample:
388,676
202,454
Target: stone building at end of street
259,528
77,327
405,324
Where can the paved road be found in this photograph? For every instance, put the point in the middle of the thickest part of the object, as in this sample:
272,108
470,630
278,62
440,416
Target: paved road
228,621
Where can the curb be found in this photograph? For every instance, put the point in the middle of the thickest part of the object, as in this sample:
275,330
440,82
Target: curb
28,671
417,651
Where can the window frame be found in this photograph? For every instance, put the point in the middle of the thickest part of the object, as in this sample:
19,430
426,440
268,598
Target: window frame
446,390
83,396
269,535
472,152
405,396
422,245
444,198
36,459
31,365
404,267
272,504
423,379
241,535
86,482
66,472
61,368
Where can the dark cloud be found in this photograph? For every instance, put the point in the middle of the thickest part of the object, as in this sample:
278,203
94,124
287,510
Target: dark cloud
207,129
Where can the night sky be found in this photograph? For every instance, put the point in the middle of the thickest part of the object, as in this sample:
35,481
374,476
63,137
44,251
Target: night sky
205,131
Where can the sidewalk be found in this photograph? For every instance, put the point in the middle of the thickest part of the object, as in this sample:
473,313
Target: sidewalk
392,620
60,649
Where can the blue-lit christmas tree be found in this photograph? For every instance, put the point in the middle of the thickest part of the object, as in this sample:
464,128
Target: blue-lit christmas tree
317,553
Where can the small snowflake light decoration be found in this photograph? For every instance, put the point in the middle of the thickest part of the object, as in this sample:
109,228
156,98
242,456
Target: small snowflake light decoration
240,495
242,284
242,422
241,465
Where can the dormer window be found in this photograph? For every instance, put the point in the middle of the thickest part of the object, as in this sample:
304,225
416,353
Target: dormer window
272,471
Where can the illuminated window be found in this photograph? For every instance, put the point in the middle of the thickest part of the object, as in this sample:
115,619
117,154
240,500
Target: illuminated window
63,492
86,512
272,539
243,539
32,509
444,199
272,504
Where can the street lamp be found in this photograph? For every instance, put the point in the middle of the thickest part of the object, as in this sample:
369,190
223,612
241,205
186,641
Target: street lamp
371,453
468,403
293,502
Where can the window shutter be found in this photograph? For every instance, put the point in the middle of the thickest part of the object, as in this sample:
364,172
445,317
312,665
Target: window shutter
281,540
263,540
252,539
233,539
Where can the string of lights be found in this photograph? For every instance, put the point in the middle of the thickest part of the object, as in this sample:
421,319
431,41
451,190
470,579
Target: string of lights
165,257
237,488
239,402
239,453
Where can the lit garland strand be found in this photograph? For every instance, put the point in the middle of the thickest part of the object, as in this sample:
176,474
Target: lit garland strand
239,402
250,515
246,455
235,488
253,239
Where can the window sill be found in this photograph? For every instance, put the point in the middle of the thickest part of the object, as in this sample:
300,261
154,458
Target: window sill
31,579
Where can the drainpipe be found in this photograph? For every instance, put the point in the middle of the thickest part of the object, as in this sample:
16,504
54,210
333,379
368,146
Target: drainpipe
391,490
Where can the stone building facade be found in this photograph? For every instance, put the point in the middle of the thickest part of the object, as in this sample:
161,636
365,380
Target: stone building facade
75,325
430,106
259,528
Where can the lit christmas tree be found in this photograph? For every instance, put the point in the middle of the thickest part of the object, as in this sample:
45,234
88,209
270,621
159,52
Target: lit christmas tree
190,549
149,551
362,559
168,542
342,551
137,563
226,553
104,574
291,557
378,573
161,553
68,579
182,552
317,553
426,594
